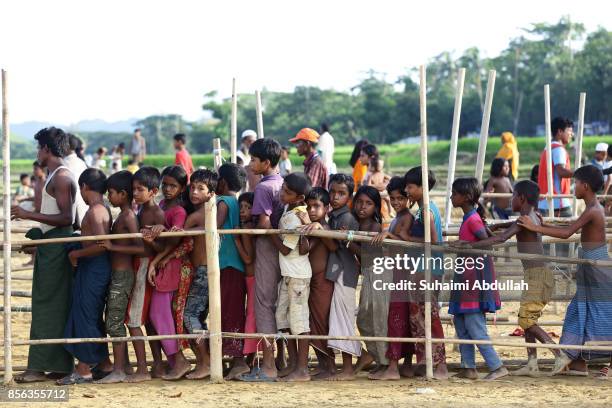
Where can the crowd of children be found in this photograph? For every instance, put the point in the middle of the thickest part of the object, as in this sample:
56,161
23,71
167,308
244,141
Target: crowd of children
301,284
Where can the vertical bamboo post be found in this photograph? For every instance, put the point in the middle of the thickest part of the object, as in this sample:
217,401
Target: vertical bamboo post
214,290
549,165
217,157
484,127
234,123
426,220
260,129
6,172
579,138
452,155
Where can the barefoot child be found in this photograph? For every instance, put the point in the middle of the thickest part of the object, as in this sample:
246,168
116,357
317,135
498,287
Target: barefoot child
170,272
246,248
500,183
588,315
538,275
321,288
119,187
145,186
292,314
232,179
201,190
469,306
93,274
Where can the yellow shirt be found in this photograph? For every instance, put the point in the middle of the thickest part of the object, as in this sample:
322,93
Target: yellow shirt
132,168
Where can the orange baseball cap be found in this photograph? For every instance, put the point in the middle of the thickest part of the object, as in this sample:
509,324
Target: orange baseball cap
308,134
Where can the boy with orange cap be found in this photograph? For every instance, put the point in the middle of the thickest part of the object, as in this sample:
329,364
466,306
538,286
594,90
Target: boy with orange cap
305,142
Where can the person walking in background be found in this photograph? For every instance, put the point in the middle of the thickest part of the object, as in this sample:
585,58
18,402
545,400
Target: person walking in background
76,167
599,158
243,158
306,143
284,165
138,147
326,148
359,169
117,157
182,157
509,151
98,161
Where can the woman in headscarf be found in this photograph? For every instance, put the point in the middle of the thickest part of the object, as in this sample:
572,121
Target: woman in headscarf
509,151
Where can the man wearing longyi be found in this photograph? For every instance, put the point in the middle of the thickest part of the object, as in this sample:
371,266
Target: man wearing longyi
52,279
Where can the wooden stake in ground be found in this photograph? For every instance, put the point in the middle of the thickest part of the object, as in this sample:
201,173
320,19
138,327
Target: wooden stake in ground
549,165
6,244
214,291
579,137
452,155
217,157
260,129
484,127
426,220
234,124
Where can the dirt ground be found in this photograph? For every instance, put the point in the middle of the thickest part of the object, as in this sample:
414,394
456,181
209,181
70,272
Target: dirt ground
509,391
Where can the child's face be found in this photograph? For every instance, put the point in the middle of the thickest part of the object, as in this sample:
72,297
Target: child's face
600,156
505,169
290,197
398,200
38,171
245,211
364,158
258,166
581,188
457,199
171,188
284,154
116,198
339,195
316,210
565,136
177,145
199,193
364,207
517,202
25,181
84,190
142,194
414,192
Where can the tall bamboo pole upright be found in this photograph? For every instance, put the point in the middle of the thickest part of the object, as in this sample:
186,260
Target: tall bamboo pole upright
452,155
6,244
214,290
549,164
579,138
260,128
426,220
217,156
484,127
234,123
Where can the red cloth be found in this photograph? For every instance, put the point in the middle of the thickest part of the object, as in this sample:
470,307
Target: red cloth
183,158
316,170
542,173
233,291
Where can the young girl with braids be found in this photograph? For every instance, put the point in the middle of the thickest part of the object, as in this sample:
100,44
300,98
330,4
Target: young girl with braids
470,305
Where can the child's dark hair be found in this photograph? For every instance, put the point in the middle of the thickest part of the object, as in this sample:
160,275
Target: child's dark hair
529,190
176,172
372,152
414,176
247,197
373,194
74,142
207,177
298,182
148,176
590,175
497,165
534,173
180,137
234,176
397,184
266,149
341,178
23,176
286,148
470,188
131,161
94,179
357,151
55,139
121,181
36,164
561,124
318,193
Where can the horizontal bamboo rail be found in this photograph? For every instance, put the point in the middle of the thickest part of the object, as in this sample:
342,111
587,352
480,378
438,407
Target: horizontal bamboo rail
19,293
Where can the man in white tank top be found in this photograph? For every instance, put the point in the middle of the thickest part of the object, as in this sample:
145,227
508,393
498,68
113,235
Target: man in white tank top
52,278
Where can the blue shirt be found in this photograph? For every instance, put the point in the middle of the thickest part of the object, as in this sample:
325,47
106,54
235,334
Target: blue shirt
228,253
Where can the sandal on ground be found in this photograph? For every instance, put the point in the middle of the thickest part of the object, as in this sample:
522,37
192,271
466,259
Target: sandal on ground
74,378
256,375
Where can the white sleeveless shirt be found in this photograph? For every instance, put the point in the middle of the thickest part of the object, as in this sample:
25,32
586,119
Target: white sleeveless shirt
48,203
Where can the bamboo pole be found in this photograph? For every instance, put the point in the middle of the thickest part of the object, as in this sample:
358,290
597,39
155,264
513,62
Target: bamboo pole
234,123
6,244
484,127
452,155
214,290
579,138
549,165
260,128
217,158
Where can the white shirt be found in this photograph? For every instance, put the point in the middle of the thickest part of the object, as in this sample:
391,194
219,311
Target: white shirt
76,167
293,265
285,167
326,147
607,165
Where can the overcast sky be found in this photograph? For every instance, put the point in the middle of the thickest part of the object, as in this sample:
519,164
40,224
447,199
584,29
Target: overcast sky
113,60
